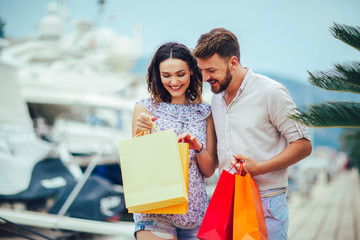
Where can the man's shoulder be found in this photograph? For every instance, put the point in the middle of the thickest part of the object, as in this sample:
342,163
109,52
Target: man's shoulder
266,82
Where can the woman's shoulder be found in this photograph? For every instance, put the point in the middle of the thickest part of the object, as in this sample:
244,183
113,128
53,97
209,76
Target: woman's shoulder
144,101
147,103
185,112
203,108
177,112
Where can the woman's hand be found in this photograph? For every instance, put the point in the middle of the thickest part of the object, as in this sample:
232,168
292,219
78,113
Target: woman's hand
143,122
189,138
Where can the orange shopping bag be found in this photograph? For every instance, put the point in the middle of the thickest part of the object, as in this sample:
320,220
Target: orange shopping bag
248,218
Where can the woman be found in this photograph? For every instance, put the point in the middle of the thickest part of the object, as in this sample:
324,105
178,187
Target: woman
175,84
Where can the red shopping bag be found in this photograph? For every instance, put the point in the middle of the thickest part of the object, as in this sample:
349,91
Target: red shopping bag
249,221
218,220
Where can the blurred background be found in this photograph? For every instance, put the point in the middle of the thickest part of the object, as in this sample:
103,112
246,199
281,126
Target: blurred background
72,70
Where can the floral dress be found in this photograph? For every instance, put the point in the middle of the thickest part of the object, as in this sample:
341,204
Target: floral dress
183,118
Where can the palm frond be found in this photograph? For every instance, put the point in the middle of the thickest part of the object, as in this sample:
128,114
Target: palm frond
345,78
329,114
348,34
350,72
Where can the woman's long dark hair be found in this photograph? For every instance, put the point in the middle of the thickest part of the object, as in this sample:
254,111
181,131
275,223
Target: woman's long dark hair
153,79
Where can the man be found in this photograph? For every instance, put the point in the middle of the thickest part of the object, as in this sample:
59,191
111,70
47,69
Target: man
250,113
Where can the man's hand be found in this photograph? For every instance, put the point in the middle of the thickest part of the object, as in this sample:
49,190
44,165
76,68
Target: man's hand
250,164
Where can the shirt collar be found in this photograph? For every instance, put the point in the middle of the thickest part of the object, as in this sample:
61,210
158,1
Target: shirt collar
247,77
249,74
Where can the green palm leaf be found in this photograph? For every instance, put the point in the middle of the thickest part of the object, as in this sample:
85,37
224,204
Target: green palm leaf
348,34
344,78
350,72
329,114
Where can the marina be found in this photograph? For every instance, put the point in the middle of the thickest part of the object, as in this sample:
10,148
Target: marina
66,100
332,212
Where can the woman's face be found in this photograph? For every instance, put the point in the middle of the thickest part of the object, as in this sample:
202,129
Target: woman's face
175,76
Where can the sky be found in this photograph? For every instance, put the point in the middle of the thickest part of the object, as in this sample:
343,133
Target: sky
283,37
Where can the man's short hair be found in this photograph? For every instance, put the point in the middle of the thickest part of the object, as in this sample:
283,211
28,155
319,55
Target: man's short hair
220,41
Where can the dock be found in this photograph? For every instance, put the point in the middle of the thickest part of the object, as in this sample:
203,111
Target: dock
332,211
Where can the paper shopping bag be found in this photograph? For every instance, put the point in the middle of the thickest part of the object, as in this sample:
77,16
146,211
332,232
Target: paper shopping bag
249,221
179,208
218,220
152,172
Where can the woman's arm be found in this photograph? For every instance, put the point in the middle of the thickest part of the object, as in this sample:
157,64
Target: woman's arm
140,120
207,158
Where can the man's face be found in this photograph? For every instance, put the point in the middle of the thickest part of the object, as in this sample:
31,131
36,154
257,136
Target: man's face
216,72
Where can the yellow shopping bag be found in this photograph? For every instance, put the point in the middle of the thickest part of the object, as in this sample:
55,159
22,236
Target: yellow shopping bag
179,208
152,172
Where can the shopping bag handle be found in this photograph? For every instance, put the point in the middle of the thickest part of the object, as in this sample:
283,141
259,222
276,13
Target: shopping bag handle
155,127
240,169
233,166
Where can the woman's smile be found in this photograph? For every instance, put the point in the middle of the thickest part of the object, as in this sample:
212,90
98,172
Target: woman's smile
175,77
175,88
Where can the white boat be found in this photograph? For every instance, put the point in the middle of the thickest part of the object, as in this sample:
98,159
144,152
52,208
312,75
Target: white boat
81,92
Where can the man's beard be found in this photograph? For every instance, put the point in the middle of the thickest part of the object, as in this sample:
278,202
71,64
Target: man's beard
223,86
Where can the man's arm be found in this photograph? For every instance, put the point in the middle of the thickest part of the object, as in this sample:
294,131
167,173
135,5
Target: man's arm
292,154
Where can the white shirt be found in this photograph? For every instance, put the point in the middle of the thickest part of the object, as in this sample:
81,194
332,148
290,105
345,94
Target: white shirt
256,125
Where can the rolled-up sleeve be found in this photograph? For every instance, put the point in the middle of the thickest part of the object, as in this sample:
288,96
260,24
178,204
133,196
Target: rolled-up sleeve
280,104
